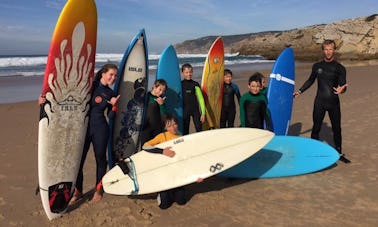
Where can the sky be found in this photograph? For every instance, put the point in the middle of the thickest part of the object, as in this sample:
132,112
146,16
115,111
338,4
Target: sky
26,26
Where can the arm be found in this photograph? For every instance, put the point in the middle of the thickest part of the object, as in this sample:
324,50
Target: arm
200,100
237,92
242,111
149,146
308,82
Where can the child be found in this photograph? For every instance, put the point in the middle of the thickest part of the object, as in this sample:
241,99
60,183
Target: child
166,198
264,89
253,106
155,111
230,90
192,100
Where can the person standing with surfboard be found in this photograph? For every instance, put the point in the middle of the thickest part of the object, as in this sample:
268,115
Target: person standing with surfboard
103,98
331,77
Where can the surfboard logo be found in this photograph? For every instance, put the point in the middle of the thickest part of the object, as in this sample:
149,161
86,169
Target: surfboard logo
178,141
216,167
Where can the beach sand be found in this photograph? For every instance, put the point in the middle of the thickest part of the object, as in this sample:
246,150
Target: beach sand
343,195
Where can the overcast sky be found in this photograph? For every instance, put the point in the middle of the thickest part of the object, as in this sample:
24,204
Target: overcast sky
26,26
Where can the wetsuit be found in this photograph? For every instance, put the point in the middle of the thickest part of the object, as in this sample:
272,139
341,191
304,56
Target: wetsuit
166,198
329,75
253,111
98,131
192,101
153,121
228,105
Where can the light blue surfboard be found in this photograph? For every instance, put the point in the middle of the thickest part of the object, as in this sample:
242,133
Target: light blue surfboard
280,91
131,85
169,70
285,156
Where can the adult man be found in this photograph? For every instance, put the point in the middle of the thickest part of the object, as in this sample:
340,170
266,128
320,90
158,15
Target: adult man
331,77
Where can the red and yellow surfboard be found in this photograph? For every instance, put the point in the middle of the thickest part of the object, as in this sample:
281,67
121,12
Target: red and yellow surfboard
63,119
212,84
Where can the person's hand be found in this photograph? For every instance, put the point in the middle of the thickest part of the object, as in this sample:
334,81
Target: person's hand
41,99
339,89
296,94
113,101
168,152
160,100
203,118
199,180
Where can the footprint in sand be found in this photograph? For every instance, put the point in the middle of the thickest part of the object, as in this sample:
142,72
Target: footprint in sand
2,201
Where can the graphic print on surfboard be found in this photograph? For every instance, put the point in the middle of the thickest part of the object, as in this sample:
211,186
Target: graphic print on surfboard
168,69
67,87
198,155
286,156
280,91
212,84
131,85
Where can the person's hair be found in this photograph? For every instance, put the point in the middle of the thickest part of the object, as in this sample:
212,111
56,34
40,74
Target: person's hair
227,71
104,69
328,42
160,82
186,66
169,117
255,77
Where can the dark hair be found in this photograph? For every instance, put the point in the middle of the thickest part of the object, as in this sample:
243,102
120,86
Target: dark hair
227,71
255,77
159,82
329,42
170,117
186,66
105,68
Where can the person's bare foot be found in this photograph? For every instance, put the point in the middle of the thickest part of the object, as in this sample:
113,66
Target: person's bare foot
97,196
76,196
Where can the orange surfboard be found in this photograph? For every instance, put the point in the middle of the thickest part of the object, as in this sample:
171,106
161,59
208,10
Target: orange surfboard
212,84
67,87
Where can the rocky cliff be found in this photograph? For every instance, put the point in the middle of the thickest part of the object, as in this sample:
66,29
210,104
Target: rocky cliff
356,39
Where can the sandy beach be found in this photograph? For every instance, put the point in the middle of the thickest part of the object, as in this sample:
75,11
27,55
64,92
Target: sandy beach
343,195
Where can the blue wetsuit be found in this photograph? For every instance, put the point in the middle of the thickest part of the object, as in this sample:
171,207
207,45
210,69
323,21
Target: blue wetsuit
228,105
329,75
98,131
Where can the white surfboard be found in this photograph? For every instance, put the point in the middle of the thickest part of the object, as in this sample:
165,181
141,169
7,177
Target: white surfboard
198,155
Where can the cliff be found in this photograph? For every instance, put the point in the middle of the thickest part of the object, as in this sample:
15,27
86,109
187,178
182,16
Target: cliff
356,39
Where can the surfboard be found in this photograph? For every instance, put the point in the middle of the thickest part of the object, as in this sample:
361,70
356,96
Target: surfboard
63,117
212,84
280,91
198,155
169,70
131,85
285,156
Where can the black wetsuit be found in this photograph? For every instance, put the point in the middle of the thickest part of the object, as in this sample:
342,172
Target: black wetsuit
228,105
253,111
98,131
191,105
153,121
329,75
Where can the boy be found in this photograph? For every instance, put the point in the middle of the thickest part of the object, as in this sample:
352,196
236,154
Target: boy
253,106
228,111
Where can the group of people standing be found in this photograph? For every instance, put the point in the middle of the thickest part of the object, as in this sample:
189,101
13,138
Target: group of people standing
160,126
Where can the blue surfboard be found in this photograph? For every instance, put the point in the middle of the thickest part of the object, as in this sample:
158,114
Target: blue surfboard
280,91
285,156
169,70
131,85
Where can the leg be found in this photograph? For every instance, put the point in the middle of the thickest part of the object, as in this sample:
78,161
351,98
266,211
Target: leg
223,118
164,199
231,118
317,117
186,120
179,195
335,117
197,121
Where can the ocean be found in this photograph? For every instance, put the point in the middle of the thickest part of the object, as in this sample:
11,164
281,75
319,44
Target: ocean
21,76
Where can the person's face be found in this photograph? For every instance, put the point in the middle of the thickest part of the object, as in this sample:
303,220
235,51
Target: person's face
109,77
187,73
254,87
328,52
262,82
172,127
227,78
159,90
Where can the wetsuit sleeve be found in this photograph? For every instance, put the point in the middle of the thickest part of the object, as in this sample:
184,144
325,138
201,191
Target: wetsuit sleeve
200,99
237,91
149,145
163,109
310,80
242,111
342,76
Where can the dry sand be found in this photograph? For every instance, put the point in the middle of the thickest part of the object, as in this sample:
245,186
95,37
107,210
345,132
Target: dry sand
343,195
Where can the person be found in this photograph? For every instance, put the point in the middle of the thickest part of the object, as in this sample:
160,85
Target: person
253,106
331,77
167,198
103,99
228,111
264,88
193,101
153,122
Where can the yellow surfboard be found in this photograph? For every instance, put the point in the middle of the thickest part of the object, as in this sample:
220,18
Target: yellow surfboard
63,120
212,84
